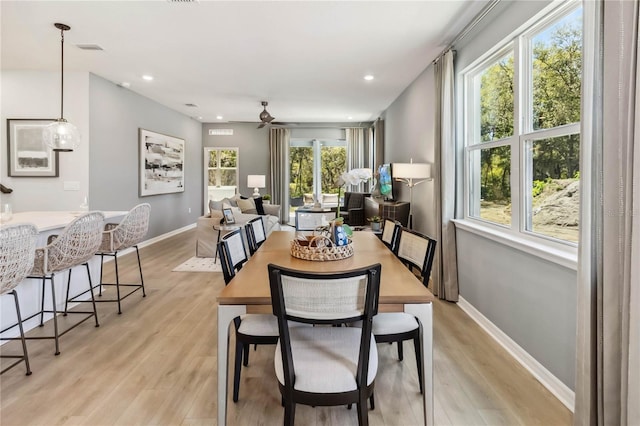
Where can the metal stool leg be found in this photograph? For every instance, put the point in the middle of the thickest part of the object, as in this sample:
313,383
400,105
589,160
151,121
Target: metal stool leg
115,259
101,268
55,314
140,268
44,286
66,300
24,343
93,299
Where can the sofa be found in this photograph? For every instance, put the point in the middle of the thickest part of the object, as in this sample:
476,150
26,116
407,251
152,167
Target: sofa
207,236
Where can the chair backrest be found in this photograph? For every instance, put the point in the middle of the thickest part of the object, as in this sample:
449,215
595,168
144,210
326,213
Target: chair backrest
324,298
76,244
255,234
232,254
390,233
17,250
132,228
417,250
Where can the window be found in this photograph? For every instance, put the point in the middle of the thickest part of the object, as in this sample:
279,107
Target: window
522,131
314,168
221,173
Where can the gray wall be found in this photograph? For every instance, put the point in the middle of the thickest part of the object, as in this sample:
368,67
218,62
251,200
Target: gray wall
533,301
116,114
530,299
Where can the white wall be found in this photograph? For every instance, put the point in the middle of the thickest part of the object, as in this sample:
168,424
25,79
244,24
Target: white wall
36,94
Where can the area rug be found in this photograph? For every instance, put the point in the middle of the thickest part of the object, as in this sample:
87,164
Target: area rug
199,264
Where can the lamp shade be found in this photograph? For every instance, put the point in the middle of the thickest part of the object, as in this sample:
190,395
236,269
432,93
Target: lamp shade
256,181
411,170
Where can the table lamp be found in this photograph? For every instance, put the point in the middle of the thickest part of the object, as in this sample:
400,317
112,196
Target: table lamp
256,181
411,174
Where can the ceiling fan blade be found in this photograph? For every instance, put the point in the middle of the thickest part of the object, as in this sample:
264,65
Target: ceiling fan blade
261,125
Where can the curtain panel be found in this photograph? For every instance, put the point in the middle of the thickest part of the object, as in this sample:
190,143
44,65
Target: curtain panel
279,161
445,279
357,141
608,335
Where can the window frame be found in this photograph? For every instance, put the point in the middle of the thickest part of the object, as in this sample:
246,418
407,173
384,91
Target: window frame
515,234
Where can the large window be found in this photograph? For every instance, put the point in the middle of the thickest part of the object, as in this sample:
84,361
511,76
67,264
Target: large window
314,168
522,130
220,174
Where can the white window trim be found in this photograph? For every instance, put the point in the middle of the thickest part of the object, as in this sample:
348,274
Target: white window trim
555,250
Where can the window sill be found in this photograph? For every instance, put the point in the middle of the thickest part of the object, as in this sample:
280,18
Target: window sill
567,257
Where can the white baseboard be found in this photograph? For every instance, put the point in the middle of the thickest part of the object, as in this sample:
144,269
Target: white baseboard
153,241
544,376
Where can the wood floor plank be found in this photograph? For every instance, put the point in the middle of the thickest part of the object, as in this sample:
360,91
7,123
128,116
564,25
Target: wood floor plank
156,364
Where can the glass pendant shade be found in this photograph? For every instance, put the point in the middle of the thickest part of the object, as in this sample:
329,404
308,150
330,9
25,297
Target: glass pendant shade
61,136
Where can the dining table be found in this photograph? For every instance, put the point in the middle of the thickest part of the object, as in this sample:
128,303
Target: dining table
400,290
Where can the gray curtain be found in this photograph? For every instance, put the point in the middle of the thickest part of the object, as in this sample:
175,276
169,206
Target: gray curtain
445,279
608,335
357,141
279,160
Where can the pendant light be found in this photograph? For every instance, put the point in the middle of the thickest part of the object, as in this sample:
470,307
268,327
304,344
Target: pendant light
61,136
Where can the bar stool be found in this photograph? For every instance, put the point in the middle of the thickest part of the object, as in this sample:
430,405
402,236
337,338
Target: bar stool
17,251
76,244
116,238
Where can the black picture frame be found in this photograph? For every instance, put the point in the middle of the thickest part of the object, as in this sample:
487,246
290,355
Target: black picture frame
228,217
27,154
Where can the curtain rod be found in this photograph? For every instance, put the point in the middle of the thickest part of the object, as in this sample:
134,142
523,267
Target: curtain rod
470,26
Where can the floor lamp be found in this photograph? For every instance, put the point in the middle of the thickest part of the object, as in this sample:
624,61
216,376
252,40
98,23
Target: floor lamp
411,174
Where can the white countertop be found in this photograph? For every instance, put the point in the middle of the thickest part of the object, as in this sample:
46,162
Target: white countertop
48,220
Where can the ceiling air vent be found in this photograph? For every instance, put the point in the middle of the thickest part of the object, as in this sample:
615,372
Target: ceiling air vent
89,47
191,105
183,1
220,132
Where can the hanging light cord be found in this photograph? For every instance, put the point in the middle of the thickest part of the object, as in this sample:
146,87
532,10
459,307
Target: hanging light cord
62,73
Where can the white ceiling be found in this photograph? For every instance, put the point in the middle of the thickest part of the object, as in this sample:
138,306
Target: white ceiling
307,59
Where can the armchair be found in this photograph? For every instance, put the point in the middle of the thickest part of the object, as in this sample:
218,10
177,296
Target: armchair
353,209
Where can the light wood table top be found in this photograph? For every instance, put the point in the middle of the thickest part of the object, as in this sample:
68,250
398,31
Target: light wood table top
251,284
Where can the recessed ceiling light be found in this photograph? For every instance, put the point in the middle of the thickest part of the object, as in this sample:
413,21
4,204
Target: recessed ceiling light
368,77
349,118
147,77
125,84
199,118
219,117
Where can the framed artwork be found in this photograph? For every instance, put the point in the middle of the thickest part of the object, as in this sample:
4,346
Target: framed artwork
161,163
228,217
27,153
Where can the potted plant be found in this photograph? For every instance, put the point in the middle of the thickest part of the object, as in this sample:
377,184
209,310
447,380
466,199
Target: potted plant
375,223
266,198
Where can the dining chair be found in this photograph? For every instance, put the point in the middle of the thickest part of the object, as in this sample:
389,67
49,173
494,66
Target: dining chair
255,234
17,251
75,246
416,250
251,329
325,365
117,237
390,231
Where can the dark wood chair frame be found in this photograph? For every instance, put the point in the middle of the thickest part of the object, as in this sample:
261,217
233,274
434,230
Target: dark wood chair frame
425,273
243,341
397,226
252,239
291,396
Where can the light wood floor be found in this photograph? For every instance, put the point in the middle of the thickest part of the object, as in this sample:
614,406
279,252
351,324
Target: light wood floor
156,364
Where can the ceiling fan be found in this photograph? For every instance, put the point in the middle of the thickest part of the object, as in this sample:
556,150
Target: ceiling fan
266,118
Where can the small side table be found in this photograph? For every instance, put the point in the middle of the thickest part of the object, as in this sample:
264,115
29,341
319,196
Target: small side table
222,228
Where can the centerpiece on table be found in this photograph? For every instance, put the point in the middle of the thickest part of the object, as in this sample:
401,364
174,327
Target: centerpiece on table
331,242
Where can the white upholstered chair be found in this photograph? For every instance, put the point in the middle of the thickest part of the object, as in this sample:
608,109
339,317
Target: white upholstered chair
17,251
76,244
251,329
255,234
416,251
325,365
